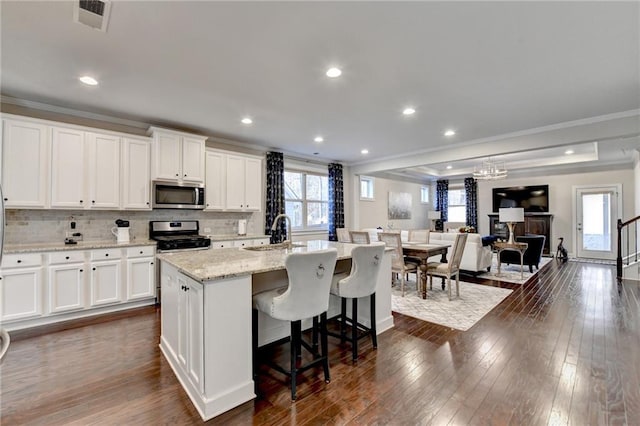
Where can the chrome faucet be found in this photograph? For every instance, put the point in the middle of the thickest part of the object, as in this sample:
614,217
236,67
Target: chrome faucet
275,223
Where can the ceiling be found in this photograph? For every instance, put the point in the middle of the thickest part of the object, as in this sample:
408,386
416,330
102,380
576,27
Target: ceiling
520,81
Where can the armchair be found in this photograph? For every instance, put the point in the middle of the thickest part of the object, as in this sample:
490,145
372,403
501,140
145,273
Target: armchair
531,257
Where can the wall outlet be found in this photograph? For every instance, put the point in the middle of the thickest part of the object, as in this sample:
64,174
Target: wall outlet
73,235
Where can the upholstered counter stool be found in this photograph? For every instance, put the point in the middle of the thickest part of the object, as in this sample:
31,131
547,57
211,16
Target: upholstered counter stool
361,282
306,296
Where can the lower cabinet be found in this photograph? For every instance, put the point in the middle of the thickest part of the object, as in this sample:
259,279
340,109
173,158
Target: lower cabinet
66,289
20,288
140,278
106,282
190,332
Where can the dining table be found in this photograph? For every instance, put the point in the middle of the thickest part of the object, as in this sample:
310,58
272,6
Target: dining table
424,251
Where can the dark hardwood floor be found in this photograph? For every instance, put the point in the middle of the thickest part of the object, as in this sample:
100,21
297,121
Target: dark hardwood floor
562,349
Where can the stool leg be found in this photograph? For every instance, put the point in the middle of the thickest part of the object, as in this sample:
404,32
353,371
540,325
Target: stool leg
354,329
254,341
372,328
294,355
325,344
314,335
343,319
298,340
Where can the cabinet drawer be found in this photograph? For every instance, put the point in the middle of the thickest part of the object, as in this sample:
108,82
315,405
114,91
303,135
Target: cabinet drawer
106,254
145,251
221,244
243,243
66,257
21,260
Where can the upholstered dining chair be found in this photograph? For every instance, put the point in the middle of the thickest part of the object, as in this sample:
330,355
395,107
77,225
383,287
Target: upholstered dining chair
399,265
5,340
419,236
451,268
343,235
359,237
307,296
359,283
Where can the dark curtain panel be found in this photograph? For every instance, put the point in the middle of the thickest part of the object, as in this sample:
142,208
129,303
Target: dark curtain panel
275,197
336,200
442,199
471,192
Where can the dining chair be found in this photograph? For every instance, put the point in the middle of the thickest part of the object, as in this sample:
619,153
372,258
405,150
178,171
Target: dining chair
359,283
307,296
419,236
399,265
343,235
452,267
359,237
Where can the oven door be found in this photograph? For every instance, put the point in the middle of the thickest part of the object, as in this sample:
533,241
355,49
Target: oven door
168,195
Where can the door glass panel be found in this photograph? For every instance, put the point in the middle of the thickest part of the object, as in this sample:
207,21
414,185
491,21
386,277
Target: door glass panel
596,222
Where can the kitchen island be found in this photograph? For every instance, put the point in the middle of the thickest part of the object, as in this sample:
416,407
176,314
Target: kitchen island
206,316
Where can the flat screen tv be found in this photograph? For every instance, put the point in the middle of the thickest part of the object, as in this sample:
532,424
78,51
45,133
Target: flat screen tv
533,199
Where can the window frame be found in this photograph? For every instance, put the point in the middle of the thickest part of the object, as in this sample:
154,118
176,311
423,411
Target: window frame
371,182
305,226
449,205
424,189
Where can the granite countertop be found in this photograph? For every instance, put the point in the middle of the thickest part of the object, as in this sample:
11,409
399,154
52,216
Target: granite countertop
82,245
208,265
231,237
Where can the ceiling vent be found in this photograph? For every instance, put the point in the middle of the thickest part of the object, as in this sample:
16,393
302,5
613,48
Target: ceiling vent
93,13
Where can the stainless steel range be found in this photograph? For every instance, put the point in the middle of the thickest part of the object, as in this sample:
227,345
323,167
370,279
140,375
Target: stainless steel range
178,235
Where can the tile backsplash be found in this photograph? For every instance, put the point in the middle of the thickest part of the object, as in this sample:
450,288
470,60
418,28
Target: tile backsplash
45,226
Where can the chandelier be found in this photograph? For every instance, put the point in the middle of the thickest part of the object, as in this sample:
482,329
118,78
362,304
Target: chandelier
490,170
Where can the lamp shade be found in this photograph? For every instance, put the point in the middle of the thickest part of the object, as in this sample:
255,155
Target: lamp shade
511,214
433,214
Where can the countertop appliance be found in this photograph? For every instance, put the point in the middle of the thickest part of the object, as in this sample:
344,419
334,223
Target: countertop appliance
170,195
178,235
121,231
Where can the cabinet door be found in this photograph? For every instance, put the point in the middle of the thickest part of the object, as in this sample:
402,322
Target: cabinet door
195,345
104,170
136,174
192,159
235,186
167,156
66,288
20,293
67,168
215,172
253,184
183,330
169,292
105,282
25,169
140,278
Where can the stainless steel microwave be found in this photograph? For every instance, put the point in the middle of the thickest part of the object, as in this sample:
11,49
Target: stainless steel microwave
168,195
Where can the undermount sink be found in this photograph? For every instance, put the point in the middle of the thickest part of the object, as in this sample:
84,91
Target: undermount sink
270,247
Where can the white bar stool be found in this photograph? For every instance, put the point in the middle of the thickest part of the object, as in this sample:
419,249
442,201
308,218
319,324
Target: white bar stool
307,296
361,282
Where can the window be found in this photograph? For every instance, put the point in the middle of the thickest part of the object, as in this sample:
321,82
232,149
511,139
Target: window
424,195
306,197
457,205
366,188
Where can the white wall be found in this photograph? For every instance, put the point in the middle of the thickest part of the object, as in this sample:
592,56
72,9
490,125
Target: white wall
561,198
372,214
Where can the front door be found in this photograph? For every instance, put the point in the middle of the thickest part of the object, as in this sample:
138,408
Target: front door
596,216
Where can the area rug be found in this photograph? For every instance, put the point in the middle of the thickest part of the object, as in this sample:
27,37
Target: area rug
511,273
598,261
461,313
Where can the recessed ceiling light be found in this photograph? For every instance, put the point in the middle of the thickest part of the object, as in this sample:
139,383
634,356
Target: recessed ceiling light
246,120
409,111
449,133
449,167
364,151
334,72
569,152
318,139
89,81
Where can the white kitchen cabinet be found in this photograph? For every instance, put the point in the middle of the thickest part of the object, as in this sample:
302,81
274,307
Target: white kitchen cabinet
216,180
66,287
25,164
136,174
177,156
103,160
169,289
67,168
20,287
105,282
190,329
243,183
141,281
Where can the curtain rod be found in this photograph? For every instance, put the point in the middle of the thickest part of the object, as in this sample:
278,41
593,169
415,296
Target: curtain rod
305,160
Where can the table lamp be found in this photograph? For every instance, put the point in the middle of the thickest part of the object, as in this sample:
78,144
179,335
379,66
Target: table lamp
511,215
433,215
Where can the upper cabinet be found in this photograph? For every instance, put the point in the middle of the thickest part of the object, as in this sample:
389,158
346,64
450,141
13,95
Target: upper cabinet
177,157
25,158
67,168
234,182
136,174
